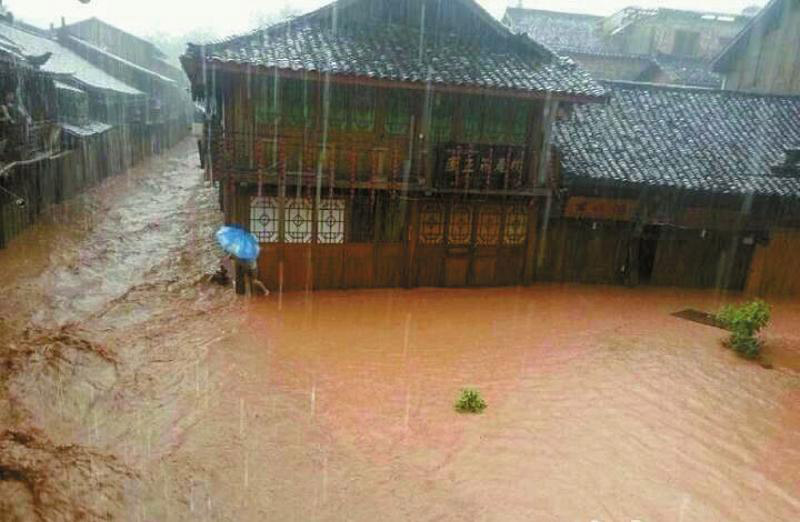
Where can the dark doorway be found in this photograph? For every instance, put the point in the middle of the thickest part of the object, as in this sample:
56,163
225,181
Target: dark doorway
647,252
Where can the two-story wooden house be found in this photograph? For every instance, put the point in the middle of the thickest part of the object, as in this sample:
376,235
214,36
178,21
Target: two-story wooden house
379,143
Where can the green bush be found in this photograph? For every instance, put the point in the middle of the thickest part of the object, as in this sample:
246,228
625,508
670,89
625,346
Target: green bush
470,401
745,321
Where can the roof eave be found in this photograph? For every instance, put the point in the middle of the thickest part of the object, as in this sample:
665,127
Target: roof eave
191,64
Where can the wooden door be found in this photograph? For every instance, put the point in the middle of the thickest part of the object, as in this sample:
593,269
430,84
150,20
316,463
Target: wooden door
459,251
470,244
486,245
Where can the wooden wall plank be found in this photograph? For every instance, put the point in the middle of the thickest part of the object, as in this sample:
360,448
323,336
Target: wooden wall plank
359,266
297,267
328,266
389,265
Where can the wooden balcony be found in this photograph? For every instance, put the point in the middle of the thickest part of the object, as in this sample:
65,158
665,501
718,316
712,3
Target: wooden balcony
292,159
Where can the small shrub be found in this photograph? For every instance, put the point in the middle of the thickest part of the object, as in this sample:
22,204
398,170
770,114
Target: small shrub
470,401
745,321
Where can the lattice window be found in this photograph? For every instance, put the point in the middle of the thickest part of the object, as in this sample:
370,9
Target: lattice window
489,219
298,221
265,219
398,112
431,224
338,96
472,118
442,116
266,102
516,225
330,221
362,109
459,230
296,103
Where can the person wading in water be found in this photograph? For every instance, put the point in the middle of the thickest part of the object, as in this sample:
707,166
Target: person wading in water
244,271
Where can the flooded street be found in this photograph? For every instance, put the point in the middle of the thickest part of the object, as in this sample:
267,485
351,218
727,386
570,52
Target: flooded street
133,389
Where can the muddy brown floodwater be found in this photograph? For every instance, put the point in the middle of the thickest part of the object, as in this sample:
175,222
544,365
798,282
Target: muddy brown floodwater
134,390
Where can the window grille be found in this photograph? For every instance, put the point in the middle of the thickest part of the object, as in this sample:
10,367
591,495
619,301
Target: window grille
459,230
489,219
431,227
516,225
398,112
362,109
298,221
264,219
330,221
443,108
267,106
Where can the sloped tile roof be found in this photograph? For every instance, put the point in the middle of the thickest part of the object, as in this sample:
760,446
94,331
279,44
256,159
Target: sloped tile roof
121,61
87,129
688,71
71,88
391,52
559,31
684,138
63,61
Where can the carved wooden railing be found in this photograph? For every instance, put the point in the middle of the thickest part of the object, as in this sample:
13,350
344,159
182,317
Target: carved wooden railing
453,167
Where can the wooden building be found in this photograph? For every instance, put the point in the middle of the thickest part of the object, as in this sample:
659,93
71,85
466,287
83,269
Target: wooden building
85,124
765,56
140,64
125,45
678,186
380,143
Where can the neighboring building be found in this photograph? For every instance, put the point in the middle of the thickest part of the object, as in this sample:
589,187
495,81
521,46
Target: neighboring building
686,34
27,120
108,100
765,56
649,45
379,143
581,37
127,46
136,62
681,187
76,119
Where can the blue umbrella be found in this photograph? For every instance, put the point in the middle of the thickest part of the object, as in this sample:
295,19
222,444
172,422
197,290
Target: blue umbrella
239,242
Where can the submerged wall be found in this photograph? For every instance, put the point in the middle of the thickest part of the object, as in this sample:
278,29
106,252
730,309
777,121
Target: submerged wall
86,162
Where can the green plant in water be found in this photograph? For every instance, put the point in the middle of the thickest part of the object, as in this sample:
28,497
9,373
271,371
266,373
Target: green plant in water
745,321
470,401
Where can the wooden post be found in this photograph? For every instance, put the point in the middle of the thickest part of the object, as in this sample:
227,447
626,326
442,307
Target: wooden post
410,243
528,273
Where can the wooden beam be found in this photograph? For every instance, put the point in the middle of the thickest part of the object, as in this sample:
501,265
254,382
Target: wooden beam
291,180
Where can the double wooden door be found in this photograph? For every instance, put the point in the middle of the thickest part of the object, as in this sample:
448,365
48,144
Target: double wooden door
472,244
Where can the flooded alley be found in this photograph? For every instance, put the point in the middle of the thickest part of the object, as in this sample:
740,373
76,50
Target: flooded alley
133,389
400,260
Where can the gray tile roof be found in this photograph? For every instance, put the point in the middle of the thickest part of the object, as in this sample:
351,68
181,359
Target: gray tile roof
391,52
65,87
63,61
559,31
688,71
684,138
87,129
123,62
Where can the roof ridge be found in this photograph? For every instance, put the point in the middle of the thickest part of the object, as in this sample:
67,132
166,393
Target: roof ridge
553,12
499,27
694,88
